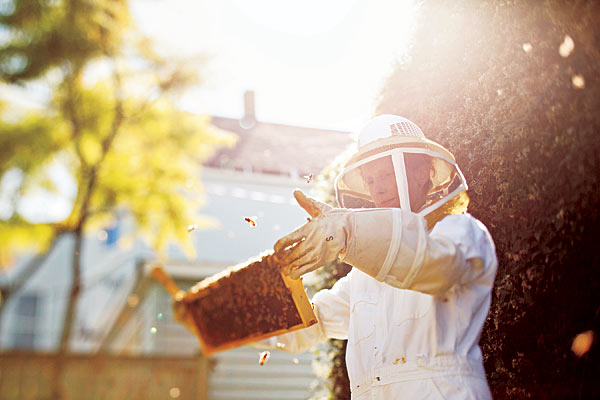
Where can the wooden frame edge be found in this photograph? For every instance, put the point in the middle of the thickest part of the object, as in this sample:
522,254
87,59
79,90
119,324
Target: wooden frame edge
303,307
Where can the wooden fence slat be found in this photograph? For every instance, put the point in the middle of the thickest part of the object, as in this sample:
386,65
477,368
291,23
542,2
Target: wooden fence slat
26,375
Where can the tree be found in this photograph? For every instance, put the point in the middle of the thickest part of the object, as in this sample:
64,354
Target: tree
124,141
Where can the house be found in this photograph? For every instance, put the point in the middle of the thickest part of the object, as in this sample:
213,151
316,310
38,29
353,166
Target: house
122,311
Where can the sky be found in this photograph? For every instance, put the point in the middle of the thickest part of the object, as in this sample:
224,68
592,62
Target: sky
311,63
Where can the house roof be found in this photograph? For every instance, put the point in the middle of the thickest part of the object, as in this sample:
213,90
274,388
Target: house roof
278,149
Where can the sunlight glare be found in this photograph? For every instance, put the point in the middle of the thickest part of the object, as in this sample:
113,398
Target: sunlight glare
582,343
41,205
327,59
578,81
566,47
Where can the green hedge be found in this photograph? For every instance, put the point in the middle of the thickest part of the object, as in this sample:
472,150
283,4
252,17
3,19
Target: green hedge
487,80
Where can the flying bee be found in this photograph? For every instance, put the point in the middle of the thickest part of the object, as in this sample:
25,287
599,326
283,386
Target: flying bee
192,227
264,356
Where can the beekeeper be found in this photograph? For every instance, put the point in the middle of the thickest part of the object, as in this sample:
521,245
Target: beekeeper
414,303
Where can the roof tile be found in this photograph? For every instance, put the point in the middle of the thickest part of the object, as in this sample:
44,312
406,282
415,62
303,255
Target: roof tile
279,149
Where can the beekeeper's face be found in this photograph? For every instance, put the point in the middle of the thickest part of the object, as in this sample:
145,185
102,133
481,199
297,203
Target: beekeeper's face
381,180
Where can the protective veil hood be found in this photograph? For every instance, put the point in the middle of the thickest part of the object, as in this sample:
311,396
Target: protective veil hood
400,147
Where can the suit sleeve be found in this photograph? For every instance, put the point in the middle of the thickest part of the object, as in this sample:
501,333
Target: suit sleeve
394,246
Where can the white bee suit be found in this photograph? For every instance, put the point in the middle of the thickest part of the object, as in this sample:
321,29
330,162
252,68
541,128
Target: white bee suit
414,305
414,319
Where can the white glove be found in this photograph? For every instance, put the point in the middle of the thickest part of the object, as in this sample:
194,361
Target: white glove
316,243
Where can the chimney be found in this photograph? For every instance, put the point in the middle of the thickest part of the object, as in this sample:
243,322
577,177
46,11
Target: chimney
249,119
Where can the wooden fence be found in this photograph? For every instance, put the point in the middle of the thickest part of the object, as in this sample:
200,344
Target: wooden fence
27,376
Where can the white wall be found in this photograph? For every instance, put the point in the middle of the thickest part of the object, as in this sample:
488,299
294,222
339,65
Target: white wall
231,197
108,272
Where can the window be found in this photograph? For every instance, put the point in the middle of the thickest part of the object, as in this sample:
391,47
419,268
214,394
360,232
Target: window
27,305
26,312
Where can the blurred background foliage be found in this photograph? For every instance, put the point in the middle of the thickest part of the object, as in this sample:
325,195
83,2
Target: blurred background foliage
511,88
46,34
107,115
110,119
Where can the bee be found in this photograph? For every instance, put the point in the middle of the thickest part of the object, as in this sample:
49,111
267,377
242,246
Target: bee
250,221
264,356
308,178
192,227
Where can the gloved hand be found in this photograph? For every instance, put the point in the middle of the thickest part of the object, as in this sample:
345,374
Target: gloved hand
316,243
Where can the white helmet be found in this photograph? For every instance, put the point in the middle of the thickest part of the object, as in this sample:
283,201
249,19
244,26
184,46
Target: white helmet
389,140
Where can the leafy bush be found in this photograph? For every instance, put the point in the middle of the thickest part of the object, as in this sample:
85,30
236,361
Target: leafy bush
511,88
500,86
